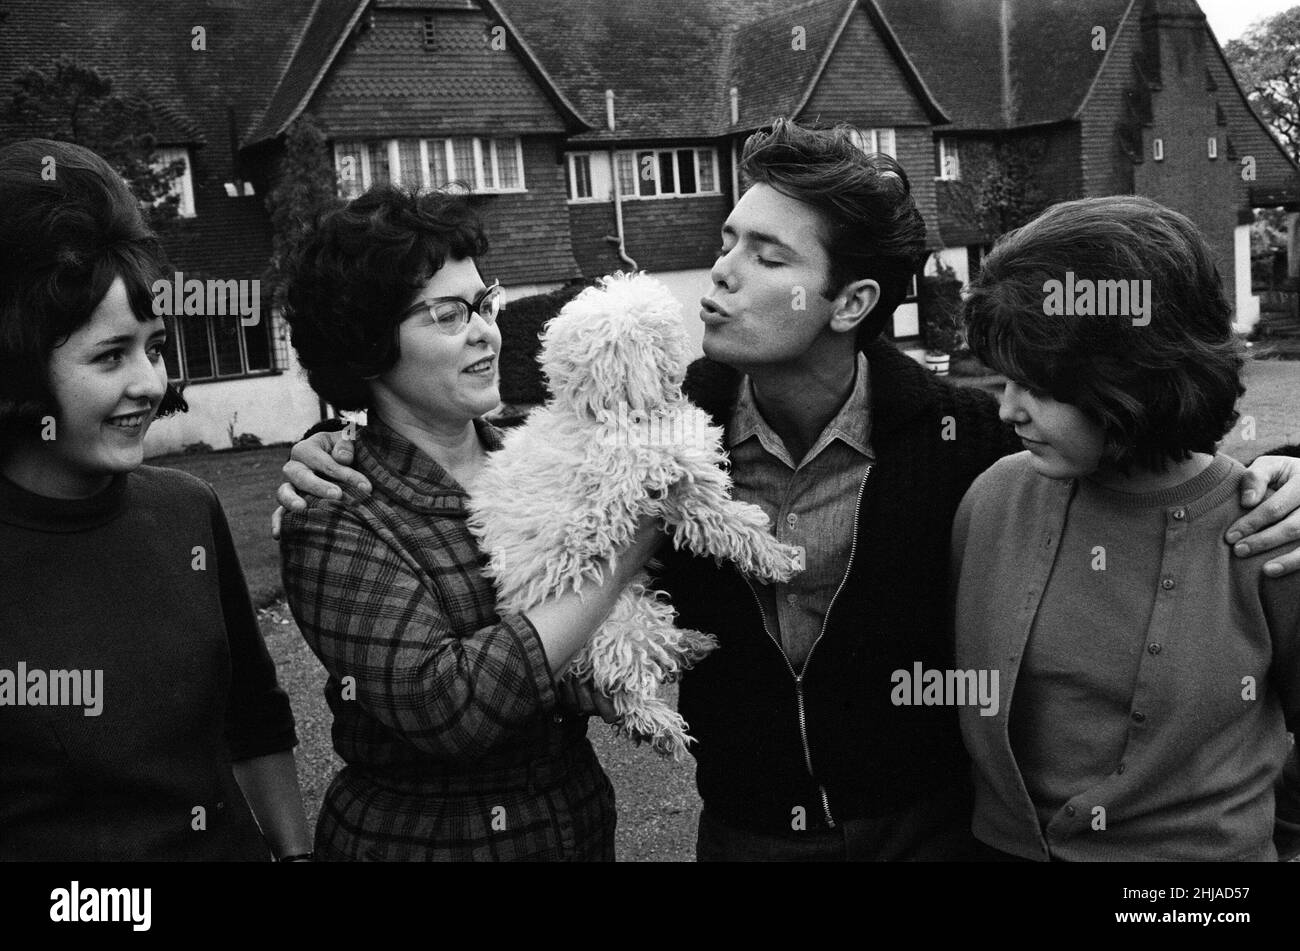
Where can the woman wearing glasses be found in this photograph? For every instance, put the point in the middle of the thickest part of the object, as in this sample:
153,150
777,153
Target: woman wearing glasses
446,714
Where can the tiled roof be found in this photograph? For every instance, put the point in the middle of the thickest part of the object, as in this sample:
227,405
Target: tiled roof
672,66
660,59
333,21
146,47
318,41
774,60
957,47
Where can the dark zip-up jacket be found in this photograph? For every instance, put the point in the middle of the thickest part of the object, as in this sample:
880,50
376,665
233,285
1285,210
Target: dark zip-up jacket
829,744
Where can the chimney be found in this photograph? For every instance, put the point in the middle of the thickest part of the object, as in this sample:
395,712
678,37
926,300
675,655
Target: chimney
609,109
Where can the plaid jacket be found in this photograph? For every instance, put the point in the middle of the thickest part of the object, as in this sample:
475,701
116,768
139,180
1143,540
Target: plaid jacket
444,712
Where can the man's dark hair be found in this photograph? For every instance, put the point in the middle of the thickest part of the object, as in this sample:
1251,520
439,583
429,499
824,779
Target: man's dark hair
354,273
873,229
1161,391
69,227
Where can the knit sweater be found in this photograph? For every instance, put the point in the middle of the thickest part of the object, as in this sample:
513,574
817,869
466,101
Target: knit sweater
1186,734
831,741
140,586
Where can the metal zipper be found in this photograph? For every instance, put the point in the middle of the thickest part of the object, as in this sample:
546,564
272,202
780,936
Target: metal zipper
798,678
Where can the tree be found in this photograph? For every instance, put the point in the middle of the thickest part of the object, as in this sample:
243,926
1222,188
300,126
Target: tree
999,190
1267,62
75,103
305,185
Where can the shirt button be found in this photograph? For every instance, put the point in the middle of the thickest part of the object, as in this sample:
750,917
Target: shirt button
1139,717
1167,584
1180,514
1153,649
792,520
1069,811
791,599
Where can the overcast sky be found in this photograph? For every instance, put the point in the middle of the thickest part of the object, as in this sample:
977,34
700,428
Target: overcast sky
1231,18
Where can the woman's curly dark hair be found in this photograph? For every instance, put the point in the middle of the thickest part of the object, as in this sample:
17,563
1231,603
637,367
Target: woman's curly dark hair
70,227
355,271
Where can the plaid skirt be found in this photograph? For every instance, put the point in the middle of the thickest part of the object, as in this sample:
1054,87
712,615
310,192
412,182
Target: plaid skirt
558,808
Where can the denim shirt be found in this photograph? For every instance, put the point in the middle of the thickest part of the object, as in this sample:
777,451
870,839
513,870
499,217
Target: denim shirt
812,504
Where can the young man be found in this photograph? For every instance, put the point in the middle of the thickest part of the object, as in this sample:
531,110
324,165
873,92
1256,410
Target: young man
808,745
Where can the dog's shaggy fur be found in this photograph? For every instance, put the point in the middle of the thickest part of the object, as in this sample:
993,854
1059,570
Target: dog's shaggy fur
569,486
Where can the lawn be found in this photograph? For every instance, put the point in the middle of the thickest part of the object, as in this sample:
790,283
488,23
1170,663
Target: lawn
657,803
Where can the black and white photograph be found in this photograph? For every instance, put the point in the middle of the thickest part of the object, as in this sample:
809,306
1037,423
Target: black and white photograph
650,431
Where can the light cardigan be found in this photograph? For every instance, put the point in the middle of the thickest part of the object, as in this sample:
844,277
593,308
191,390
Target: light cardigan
1195,778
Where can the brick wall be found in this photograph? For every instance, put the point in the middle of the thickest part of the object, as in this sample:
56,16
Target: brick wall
666,234
1184,116
528,232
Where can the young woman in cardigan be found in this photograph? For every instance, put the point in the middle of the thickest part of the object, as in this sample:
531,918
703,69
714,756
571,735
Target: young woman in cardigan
1147,677
142,719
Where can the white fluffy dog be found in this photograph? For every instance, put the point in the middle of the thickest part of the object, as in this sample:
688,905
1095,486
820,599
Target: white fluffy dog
617,440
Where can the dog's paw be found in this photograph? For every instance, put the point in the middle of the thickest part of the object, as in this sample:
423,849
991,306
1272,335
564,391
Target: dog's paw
776,563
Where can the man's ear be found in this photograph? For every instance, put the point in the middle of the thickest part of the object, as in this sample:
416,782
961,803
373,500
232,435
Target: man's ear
853,304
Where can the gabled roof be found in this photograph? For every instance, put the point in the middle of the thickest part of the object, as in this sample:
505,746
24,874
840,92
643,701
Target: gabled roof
757,47
1036,77
672,66
660,60
331,23
318,42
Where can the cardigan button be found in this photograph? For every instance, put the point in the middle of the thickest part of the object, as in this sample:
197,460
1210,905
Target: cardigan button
1153,649
1119,770
1139,716
1167,584
1180,514
1069,811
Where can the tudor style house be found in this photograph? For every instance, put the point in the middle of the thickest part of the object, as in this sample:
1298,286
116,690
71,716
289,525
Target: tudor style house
606,135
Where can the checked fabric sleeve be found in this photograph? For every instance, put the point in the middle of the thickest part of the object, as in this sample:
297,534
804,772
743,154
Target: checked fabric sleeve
411,619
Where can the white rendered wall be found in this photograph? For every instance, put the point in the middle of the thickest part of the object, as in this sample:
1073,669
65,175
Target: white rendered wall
1246,304
275,408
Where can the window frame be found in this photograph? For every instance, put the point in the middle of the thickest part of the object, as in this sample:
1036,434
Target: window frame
658,154
948,146
482,147
179,327
184,183
867,139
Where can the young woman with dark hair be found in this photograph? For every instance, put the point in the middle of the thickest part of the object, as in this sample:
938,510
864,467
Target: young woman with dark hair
142,718
449,717
1147,677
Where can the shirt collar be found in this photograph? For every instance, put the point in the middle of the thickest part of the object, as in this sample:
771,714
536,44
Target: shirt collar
393,462
851,425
